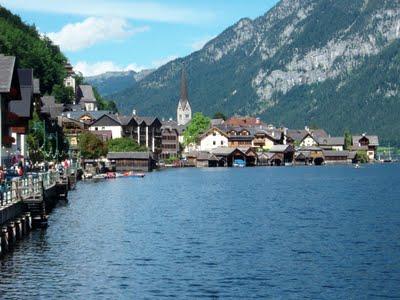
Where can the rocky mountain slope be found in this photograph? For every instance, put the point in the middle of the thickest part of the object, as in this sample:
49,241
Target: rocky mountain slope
113,82
329,63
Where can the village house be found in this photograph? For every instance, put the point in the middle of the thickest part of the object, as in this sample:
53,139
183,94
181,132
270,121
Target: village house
338,157
22,111
146,131
85,98
281,155
312,155
331,143
170,146
304,138
15,86
368,143
131,161
213,138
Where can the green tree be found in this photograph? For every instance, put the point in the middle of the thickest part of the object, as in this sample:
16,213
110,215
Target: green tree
198,125
63,94
31,50
219,115
104,104
348,140
91,146
124,145
362,157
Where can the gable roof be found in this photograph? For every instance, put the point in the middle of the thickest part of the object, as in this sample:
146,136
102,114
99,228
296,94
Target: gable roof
85,93
107,120
50,107
373,139
211,130
7,64
280,148
24,107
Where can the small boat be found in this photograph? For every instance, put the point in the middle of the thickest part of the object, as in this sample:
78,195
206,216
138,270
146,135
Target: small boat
111,175
100,176
357,166
132,174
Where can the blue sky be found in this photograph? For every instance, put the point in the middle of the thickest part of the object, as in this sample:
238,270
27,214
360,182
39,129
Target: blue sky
105,35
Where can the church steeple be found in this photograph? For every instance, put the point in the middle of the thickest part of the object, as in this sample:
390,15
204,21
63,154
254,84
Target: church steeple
184,111
184,89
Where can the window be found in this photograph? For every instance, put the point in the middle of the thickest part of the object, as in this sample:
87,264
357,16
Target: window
96,128
187,116
214,143
214,133
222,142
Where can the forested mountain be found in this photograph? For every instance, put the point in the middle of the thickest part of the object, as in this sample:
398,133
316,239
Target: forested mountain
113,82
328,63
31,50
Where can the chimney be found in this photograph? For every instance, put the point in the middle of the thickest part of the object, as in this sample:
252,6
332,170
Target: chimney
134,112
170,119
307,129
258,121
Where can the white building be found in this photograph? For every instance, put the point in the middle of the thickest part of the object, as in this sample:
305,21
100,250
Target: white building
107,126
212,139
184,111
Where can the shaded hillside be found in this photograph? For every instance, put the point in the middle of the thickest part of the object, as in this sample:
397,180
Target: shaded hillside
31,50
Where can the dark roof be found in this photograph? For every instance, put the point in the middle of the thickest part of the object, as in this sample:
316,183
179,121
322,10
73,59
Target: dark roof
299,135
206,156
7,64
184,99
147,120
23,107
107,120
280,148
36,86
51,108
85,94
129,155
331,141
373,139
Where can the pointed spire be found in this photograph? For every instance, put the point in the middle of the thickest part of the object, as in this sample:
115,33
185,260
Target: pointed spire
184,88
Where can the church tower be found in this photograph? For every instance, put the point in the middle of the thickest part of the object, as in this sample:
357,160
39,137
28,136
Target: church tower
184,111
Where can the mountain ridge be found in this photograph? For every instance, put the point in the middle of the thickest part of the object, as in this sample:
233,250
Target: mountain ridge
288,66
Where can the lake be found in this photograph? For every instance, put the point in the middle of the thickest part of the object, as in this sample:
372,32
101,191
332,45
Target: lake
289,232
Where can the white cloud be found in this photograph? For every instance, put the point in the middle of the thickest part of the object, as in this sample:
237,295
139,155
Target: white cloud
73,37
97,68
200,43
92,69
137,10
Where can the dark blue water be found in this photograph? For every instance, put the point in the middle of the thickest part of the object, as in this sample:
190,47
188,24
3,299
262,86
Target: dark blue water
322,233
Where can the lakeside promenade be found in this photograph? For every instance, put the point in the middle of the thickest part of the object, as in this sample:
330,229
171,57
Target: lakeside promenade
26,202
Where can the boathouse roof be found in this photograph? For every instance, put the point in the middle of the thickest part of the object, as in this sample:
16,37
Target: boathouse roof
128,155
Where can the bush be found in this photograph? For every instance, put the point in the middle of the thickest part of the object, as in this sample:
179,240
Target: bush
125,145
362,157
91,146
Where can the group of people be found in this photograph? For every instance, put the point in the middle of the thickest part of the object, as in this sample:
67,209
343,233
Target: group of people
23,166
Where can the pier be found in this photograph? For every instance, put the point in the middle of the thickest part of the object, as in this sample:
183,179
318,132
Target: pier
25,202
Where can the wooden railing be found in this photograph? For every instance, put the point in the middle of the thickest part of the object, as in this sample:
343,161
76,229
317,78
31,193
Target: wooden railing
32,185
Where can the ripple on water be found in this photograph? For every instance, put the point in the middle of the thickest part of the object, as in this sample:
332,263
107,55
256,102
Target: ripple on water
224,233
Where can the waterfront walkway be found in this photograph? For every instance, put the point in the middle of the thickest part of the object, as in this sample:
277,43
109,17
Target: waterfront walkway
26,201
